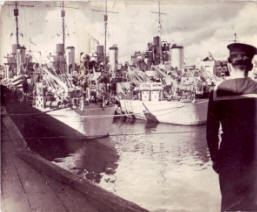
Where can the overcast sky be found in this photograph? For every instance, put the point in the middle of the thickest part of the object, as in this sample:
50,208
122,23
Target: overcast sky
201,26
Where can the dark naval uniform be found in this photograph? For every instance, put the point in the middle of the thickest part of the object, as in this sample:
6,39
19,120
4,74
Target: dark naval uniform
232,141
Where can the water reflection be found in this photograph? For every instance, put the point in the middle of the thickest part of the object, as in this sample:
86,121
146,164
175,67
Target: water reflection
165,167
151,127
160,167
164,142
91,161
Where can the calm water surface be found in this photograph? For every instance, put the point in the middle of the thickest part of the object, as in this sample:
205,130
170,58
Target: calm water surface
162,168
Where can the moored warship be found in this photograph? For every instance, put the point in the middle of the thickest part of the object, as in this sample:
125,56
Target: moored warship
159,87
52,90
163,89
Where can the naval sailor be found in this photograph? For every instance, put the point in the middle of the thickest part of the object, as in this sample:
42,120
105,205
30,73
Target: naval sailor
232,132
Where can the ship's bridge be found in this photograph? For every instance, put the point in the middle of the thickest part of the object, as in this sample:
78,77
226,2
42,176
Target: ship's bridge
150,91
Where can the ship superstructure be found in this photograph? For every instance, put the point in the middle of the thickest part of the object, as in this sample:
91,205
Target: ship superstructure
165,90
56,89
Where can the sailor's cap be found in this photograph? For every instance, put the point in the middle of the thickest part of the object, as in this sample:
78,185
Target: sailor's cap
241,48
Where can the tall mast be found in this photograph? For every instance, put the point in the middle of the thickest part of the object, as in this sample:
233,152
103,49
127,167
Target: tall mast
159,26
160,29
235,37
159,18
16,14
105,11
105,32
63,25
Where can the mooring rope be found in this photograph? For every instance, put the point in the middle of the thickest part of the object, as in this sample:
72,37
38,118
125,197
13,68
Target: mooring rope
110,135
82,116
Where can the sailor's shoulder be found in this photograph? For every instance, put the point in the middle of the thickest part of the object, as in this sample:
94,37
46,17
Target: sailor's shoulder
223,88
252,81
221,84
252,85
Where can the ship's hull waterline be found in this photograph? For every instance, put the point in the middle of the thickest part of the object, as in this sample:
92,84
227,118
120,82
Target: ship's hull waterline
92,122
170,112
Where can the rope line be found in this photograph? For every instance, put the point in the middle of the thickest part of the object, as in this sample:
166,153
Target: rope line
28,114
112,135
89,116
85,116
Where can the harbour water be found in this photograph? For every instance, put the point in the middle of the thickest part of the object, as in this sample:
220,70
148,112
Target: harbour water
163,168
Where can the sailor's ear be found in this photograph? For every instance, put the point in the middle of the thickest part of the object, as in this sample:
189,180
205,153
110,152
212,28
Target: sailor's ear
229,60
250,67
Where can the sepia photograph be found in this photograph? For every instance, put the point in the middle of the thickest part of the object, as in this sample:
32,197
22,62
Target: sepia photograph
128,106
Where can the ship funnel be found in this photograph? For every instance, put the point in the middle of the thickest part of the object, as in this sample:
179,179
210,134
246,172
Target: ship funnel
71,59
114,58
60,49
156,41
157,52
14,48
100,53
177,57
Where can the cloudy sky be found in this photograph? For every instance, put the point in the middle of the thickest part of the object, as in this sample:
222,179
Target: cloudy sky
201,26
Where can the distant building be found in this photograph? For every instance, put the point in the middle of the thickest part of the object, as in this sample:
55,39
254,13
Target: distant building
221,68
206,64
212,66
